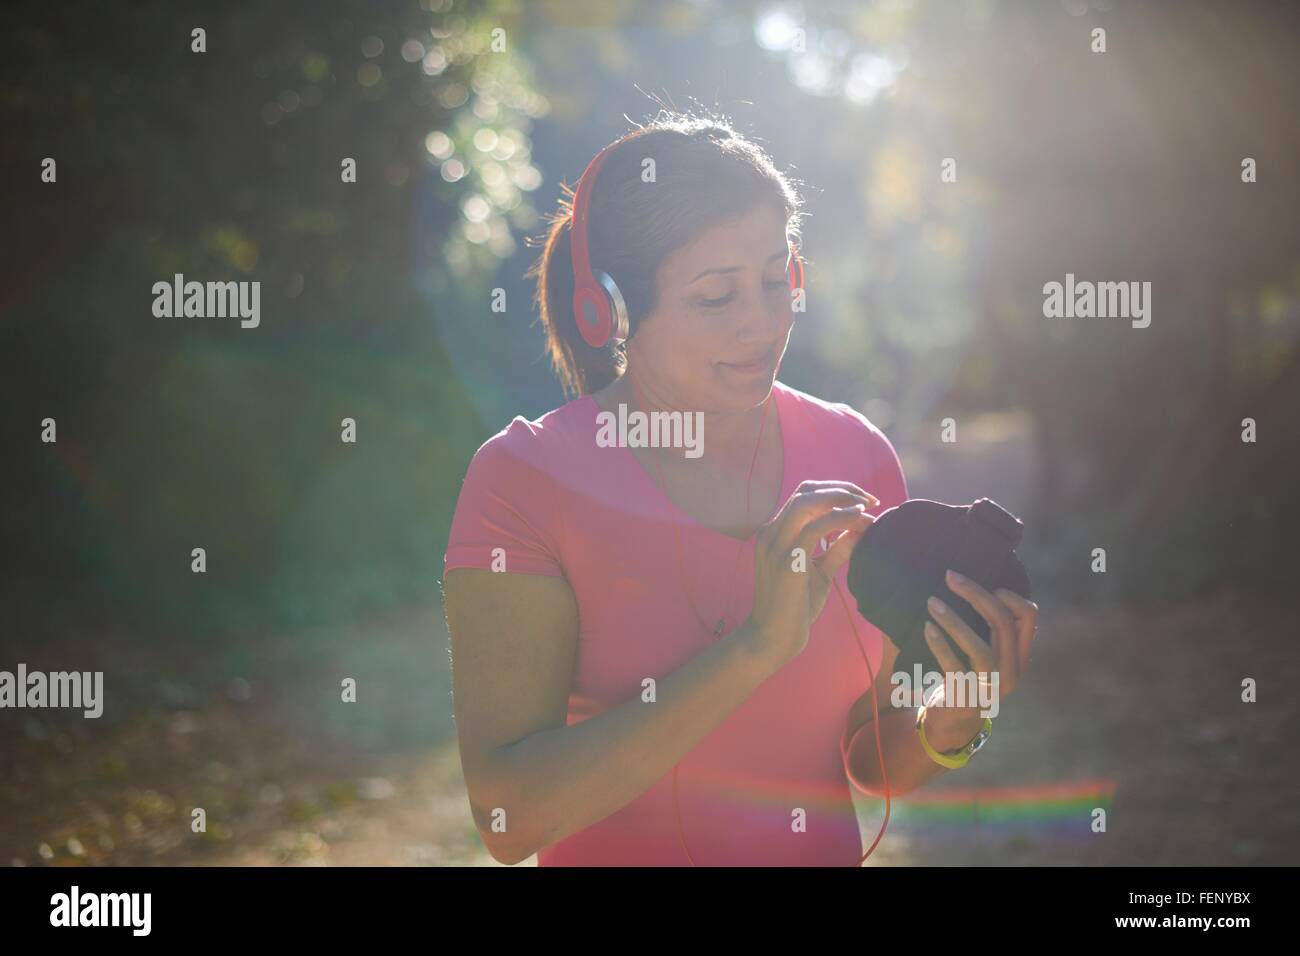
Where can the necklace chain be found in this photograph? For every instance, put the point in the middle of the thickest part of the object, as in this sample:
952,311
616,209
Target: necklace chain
719,628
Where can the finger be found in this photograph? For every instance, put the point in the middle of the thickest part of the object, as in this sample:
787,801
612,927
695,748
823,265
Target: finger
830,525
946,655
845,485
1025,613
805,507
842,548
942,649
989,606
977,650
1002,626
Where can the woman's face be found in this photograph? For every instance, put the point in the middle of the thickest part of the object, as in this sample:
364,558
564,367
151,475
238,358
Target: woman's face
722,318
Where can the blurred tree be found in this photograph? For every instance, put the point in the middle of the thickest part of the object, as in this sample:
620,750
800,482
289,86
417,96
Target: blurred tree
227,164
927,296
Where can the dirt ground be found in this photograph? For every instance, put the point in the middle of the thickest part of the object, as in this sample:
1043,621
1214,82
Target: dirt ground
1138,713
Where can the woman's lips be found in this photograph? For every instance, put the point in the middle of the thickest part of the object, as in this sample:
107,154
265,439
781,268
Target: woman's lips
760,364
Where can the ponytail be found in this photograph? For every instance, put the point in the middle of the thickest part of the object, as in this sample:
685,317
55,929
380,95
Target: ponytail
580,368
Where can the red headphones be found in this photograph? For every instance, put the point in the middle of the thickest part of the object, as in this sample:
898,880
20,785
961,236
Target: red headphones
598,305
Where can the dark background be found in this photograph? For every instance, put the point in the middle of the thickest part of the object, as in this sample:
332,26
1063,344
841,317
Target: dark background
324,558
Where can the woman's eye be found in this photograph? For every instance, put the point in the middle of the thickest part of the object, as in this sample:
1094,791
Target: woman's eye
715,303
771,285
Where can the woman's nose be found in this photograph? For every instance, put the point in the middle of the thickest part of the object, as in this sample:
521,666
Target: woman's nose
767,316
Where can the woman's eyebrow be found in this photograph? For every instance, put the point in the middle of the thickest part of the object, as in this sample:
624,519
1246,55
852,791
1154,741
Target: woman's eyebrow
723,270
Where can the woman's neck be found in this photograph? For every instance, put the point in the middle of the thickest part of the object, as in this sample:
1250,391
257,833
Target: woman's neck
729,437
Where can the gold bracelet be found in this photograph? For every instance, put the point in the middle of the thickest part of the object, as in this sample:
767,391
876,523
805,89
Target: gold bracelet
953,759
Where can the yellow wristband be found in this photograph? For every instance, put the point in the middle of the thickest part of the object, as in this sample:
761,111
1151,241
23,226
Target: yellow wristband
962,756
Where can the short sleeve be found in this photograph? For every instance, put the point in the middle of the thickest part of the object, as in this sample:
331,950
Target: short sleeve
506,513
885,477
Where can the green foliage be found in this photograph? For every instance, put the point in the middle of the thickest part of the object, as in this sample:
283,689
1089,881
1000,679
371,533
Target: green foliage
926,297
183,433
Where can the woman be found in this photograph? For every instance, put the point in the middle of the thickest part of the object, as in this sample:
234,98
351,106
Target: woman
644,671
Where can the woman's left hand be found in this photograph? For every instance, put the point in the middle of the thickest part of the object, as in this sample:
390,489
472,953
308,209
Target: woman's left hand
1002,660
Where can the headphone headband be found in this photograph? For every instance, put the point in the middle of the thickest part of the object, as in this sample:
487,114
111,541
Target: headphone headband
581,206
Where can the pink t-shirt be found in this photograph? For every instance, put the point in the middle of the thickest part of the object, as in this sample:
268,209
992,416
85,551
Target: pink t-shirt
555,502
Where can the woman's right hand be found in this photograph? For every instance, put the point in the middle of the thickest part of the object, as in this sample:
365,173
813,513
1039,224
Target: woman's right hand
790,589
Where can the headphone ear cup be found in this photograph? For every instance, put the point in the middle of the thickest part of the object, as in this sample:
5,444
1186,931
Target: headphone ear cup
593,312
795,270
619,321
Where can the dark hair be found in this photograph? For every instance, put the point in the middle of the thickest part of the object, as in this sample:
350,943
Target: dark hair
706,174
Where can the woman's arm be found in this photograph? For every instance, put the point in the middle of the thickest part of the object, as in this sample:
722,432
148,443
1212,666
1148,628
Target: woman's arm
1012,622
906,761
514,642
